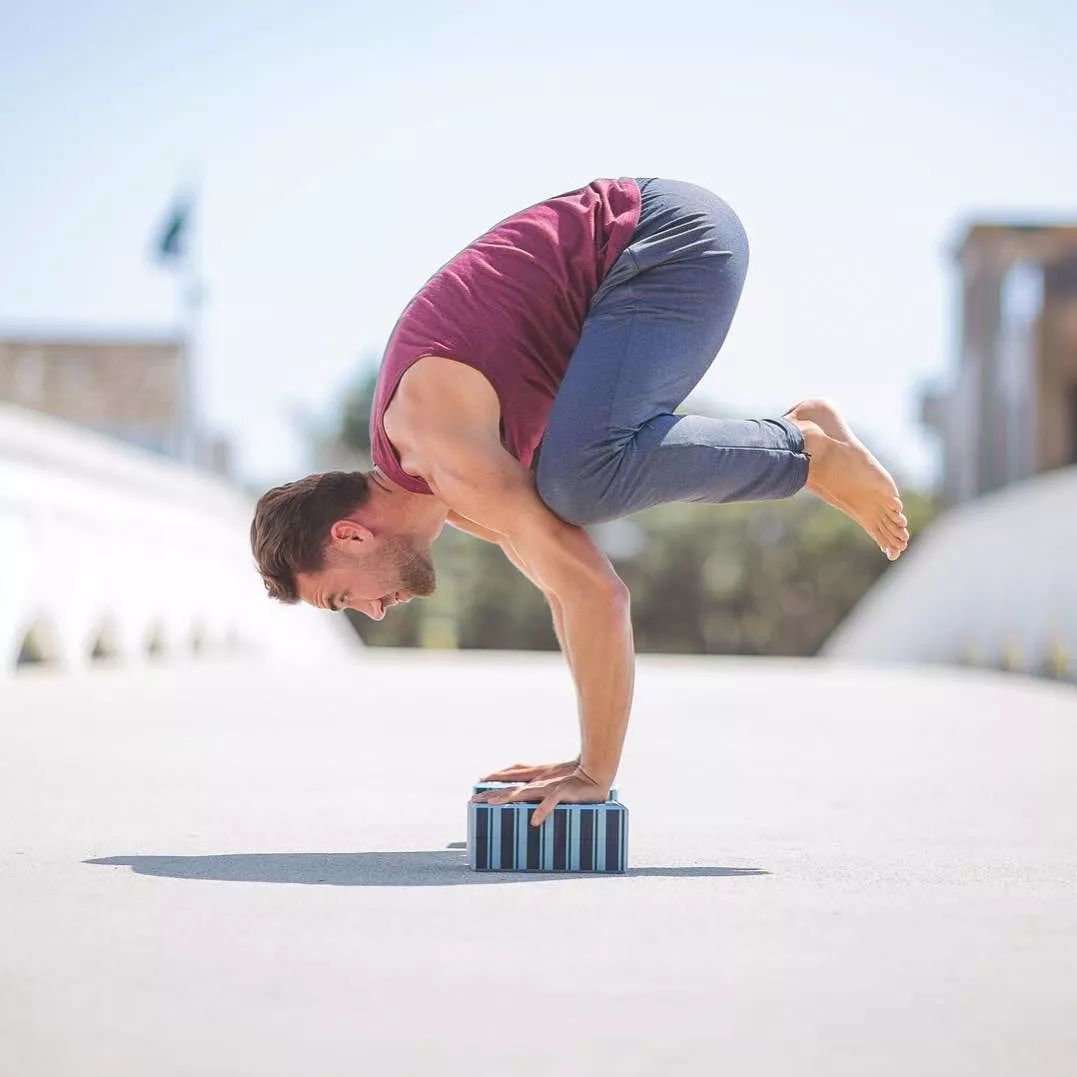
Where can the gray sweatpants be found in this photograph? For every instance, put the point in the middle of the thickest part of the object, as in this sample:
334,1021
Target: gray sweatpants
613,445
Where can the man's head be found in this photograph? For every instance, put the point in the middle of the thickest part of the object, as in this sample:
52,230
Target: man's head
345,540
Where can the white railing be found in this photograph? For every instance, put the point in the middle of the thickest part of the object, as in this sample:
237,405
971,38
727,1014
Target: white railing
109,551
992,582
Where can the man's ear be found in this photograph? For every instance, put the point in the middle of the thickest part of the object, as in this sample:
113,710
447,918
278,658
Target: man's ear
345,531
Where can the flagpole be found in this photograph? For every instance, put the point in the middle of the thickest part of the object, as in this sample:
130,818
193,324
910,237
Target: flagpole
176,247
191,305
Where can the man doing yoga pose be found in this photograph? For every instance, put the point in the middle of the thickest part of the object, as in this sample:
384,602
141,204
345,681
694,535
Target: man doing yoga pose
528,389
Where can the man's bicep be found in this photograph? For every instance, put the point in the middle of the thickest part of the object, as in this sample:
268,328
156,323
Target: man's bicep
523,568
461,523
484,483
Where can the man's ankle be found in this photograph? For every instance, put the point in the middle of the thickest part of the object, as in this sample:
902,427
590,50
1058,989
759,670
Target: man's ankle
815,441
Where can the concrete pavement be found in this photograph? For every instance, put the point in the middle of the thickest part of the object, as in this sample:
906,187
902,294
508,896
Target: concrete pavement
833,869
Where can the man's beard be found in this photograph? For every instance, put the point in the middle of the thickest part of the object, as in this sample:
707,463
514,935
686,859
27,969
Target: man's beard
415,570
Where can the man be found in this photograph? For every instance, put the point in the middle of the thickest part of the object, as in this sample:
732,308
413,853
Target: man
529,389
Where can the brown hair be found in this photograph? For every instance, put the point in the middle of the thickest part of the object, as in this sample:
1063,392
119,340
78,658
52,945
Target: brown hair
290,529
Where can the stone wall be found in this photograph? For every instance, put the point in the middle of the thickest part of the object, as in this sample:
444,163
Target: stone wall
133,389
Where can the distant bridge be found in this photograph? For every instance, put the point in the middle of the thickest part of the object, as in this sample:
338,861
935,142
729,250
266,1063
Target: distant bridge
993,583
109,552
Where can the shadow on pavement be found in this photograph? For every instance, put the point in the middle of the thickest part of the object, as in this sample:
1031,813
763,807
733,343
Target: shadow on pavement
405,868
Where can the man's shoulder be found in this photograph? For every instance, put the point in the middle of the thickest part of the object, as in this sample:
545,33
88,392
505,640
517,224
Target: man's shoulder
437,395
433,380
440,402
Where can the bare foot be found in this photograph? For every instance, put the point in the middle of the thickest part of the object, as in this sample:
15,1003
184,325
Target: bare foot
844,474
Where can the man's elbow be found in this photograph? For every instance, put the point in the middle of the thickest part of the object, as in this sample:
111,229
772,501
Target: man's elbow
609,592
619,592
612,591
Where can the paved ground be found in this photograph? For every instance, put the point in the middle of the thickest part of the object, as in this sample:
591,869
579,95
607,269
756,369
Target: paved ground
834,870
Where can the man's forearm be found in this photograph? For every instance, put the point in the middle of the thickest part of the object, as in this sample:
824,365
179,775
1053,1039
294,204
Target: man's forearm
553,601
559,628
609,651
596,634
555,606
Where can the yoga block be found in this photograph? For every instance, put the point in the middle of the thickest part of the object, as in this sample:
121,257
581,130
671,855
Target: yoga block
481,787
574,837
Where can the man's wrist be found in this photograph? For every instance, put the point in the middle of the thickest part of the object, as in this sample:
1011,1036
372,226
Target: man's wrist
602,777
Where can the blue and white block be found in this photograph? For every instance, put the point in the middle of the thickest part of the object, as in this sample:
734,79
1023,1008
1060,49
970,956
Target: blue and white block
573,837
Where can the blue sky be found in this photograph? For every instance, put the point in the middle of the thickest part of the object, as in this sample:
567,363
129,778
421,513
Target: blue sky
344,153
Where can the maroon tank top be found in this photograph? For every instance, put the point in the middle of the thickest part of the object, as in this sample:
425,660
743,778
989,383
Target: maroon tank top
511,304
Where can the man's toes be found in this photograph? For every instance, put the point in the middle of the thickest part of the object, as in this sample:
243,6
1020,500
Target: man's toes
881,536
890,531
897,537
899,529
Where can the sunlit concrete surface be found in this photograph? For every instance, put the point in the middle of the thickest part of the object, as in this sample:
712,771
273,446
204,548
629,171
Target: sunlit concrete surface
231,870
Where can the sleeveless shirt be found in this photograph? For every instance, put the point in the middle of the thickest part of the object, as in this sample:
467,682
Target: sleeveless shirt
511,304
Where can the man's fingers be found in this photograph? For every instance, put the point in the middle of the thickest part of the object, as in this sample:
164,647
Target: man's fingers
544,809
530,772
502,796
509,773
489,795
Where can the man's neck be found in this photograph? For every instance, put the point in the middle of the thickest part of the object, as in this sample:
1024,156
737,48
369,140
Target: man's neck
428,505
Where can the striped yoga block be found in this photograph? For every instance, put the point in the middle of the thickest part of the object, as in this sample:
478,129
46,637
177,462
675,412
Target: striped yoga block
574,837
481,787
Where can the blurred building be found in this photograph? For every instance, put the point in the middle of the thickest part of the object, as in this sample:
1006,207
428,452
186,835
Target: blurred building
132,388
993,582
1011,411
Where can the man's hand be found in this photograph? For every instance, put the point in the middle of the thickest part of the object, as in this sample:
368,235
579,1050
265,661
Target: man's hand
576,788
527,772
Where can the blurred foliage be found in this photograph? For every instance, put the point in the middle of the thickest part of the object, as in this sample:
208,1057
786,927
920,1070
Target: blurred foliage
481,602
747,578
355,409
767,577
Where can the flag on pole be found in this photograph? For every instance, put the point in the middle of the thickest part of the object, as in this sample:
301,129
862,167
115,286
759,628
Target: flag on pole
171,245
